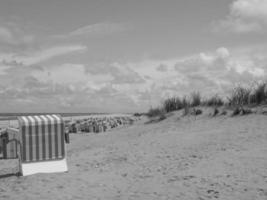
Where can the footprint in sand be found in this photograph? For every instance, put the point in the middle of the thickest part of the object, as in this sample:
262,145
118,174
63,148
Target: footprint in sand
60,187
213,193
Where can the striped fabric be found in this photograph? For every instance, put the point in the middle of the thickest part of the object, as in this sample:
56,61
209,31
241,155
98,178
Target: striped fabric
42,138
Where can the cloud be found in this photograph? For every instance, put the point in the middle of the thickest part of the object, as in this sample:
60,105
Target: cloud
73,75
162,68
245,16
209,72
224,69
40,95
36,57
51,52
98,29
127,86
255,9
220,61
82,88
122,74
11,34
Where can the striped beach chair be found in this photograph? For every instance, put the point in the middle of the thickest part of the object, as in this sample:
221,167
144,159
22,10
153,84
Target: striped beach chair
42,144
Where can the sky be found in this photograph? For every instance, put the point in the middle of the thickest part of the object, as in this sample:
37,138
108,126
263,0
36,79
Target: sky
126,55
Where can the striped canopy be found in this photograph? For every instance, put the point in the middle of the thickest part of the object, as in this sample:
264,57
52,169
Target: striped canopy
42,138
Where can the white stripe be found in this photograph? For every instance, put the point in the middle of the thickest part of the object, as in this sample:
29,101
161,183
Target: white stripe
59,136
25,121
32,120
57,117
53,124
51,119
39,120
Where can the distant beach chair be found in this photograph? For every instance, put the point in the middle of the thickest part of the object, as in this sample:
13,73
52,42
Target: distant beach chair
40,144
91,128
9,142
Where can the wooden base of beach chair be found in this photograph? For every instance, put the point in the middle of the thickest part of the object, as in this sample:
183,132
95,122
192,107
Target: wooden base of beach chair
44,167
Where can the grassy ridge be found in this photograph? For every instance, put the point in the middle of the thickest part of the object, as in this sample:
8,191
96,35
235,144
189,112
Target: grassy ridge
240,96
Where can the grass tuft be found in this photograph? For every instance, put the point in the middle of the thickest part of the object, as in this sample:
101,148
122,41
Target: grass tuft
195,99
154,112
213,101
240,96
172,104
259,95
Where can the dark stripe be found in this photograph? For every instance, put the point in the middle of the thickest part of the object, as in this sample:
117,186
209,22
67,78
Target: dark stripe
59,136
43,136
30,140
23,133
55,136
62,138
37,124
49,132
33,121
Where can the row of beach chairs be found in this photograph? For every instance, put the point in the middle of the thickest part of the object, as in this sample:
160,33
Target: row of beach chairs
97,125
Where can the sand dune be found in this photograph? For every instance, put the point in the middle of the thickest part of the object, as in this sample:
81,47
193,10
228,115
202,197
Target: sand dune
178,158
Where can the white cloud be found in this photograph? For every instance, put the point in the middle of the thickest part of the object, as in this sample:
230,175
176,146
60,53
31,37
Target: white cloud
245,16
100,28
12,35
97,29
73,75
246,64
162,68
250,9
52,52
120,85
208,72
32,58
223,52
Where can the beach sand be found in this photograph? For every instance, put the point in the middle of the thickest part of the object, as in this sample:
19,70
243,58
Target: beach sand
190,157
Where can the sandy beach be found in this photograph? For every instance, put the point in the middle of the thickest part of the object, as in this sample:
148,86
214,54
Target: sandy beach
189,157
133,100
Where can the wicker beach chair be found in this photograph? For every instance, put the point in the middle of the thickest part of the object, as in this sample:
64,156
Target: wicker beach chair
42,144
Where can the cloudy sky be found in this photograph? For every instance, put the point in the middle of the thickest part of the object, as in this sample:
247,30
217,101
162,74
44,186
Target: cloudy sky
126,55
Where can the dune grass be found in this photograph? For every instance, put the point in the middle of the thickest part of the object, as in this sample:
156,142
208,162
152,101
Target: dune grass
154,112
173,103
214,101
252,96
240,96
195,99
259,95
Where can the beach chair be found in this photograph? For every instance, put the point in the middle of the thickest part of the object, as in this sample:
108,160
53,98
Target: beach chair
9,140
42,146
91,128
